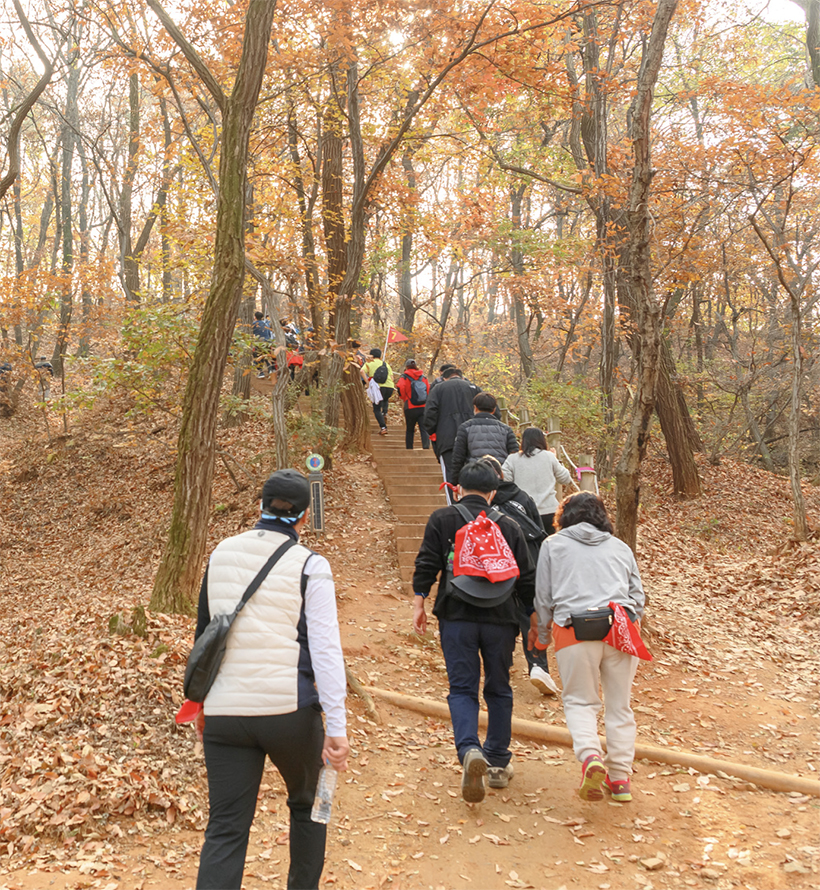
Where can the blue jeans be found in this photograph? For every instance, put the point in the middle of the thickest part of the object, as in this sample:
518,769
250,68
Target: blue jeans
466,644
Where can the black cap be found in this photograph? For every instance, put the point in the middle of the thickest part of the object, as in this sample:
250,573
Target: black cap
290,487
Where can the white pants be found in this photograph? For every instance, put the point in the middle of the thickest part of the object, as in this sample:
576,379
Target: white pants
583,667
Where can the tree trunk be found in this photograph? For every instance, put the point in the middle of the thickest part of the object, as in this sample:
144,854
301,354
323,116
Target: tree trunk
84,345
354,411
673,414
243,362
522,332
801,526
130,266
66,299
180,569
306,222
167,280
407,307
639,282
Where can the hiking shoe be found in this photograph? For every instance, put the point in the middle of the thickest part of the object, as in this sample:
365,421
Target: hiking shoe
592,777
619,789
499,776
472,780
383,431
542,681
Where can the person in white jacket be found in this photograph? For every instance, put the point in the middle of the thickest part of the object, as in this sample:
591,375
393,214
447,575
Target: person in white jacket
585,567
283,667
536,470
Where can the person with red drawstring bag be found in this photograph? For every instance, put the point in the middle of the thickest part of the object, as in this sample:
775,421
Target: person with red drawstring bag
589,601
485,579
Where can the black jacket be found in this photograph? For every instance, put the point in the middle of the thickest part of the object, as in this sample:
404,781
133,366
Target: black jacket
448,405
431,561
481,435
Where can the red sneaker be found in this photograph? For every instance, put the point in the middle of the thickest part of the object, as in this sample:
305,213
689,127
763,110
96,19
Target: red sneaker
592,777
619,789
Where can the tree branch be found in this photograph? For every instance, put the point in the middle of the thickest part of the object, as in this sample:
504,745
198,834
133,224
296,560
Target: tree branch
27,105
190,54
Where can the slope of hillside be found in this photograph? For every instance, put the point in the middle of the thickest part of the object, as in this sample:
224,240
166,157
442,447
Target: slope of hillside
100,789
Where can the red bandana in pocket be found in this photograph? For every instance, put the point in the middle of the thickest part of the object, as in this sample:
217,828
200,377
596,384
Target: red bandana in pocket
624,636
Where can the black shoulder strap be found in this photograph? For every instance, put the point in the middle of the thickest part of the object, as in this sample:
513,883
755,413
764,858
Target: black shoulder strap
262,573
494,514
466,515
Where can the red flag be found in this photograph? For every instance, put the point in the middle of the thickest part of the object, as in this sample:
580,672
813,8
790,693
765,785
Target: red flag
394,336
624,635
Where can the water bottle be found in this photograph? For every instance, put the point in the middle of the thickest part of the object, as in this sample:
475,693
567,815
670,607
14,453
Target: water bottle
323,802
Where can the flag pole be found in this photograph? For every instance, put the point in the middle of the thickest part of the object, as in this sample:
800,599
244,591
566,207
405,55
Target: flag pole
386,341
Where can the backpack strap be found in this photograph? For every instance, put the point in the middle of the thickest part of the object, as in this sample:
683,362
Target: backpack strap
465,513
494,514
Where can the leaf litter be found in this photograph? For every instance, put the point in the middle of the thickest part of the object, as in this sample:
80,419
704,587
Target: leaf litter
91,759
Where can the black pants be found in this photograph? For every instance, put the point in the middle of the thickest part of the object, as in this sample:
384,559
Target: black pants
535,657
413,417
380,408
235,750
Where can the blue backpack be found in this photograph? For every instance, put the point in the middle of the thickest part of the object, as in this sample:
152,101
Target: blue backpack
418,390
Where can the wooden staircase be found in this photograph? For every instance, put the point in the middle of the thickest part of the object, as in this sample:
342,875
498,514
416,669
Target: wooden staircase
411,480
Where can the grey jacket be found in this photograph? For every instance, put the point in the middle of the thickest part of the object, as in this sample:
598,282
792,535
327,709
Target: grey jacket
582,568
481,435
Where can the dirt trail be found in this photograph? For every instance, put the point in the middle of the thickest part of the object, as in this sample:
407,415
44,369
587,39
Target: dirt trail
714,687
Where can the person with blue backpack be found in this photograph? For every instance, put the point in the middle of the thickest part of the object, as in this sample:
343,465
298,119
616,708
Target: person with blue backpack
413,387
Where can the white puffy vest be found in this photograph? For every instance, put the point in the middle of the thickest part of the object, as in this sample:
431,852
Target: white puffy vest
260,671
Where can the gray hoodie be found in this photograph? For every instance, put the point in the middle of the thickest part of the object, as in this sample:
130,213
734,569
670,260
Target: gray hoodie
582,568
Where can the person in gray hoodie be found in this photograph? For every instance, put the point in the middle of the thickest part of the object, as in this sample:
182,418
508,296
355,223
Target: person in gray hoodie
585,567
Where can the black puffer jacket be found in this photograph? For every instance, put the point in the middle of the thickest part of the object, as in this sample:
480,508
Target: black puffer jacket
479,436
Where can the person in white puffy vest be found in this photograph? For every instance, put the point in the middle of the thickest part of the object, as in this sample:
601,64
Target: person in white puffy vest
283,667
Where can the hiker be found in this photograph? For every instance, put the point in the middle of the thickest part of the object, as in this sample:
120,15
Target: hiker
478,619
379,371
518,505
263,352
483,434
535,469
283,660
584,567
448,405
441,370
413,388
261,327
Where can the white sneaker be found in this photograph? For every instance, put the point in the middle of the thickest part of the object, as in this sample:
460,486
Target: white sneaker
542,681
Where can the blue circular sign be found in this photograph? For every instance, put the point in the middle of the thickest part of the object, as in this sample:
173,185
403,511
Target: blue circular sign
315,462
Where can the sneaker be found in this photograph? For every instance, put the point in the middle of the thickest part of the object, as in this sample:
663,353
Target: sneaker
619,789
542,681
592,777
499,776
383,431
472,780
